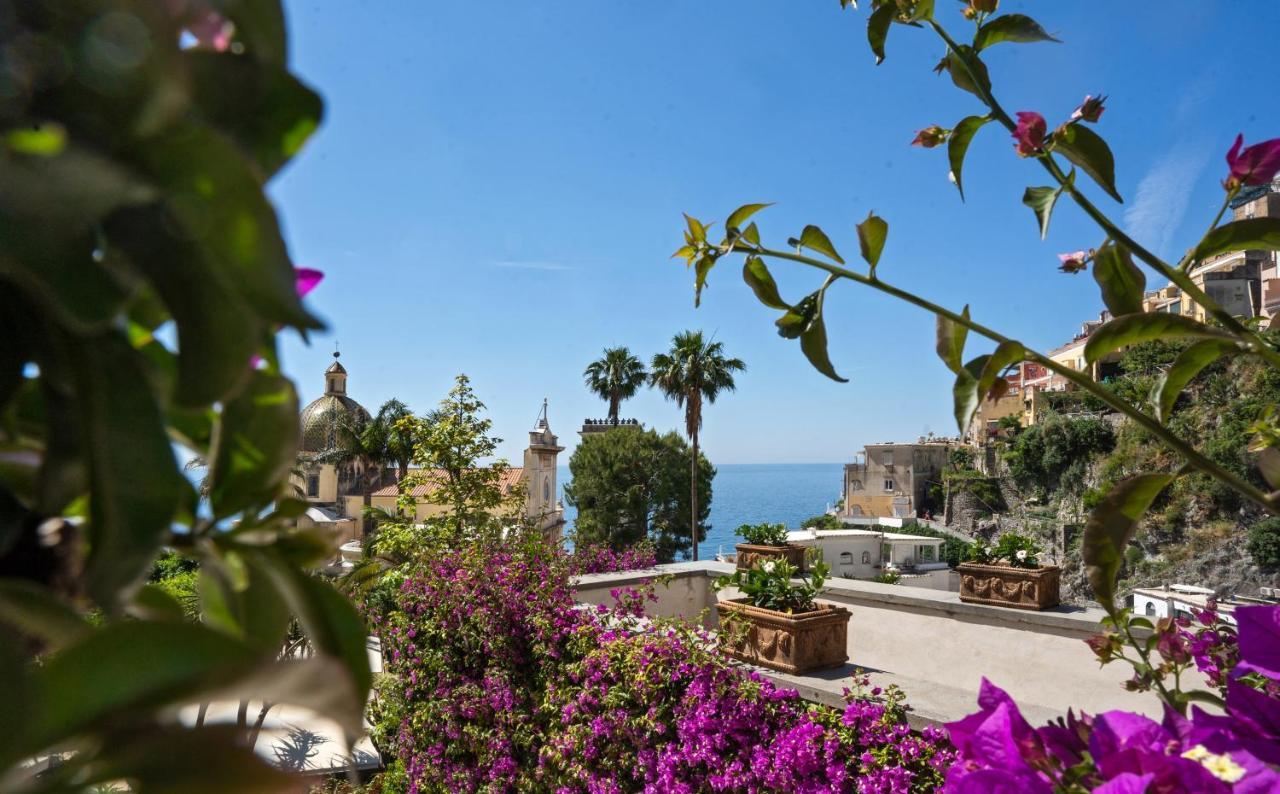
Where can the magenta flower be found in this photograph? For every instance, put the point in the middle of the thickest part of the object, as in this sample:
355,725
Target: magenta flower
306,279
1259,640
1090,109
1255,165
1074,262
1029,133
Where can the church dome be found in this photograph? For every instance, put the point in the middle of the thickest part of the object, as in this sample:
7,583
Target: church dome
324,415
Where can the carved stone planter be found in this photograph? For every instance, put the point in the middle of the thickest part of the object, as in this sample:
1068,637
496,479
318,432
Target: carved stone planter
790,643
1006,586
750,554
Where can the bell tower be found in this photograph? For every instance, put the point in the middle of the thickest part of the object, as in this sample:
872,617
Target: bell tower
335,377
540,457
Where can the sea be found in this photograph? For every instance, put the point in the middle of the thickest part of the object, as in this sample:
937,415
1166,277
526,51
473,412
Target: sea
757,493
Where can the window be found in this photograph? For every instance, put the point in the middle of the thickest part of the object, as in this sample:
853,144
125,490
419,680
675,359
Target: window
888,485
313,486
926,554
886,458
866,558
1151,609
855,485
546,489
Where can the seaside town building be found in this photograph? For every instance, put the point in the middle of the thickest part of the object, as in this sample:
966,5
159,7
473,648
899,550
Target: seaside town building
891,480
338,492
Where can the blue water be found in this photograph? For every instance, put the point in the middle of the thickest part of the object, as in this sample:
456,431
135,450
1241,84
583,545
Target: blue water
756,493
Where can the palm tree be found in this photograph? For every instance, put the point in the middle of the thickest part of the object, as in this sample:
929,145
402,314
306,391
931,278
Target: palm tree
368,447
615,376
692,372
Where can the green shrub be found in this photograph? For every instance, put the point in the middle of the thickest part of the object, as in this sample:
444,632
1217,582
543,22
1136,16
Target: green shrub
824,521
764,534
1264,543
1055,454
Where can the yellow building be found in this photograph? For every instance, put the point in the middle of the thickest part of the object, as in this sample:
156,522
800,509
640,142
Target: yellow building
337,492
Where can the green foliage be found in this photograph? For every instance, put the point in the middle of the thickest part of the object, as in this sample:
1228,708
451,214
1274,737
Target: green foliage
824,521
954,550
892,577
771,585
1264,543
985,490
1055,454
1151,358
764,534
143,277
1013,549
629,484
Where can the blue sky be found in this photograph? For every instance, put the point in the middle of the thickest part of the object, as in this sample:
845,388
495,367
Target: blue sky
497,189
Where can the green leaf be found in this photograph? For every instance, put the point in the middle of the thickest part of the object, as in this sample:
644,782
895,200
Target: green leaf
218,201
39,612
799,317
1110,527
1090,153
979,82
134,479
951,338
871,236
878,29
701,269
1269,466
1041,201
813,342
965,392
1134,328
1121,281
697,231
1251,233
1006,354
1010,27
1185,367
218,331
815,239
153,603
758,277
751,234
209,760
268,112
741,214
958,145
922,10
253,444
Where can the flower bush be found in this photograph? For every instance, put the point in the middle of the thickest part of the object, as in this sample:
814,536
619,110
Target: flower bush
499,681
599,558
764,534
1013,549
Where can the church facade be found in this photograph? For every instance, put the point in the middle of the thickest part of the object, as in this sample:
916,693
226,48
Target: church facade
339,491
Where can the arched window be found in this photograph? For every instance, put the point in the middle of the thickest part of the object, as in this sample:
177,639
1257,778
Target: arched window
1151,608
866,558
546,489
855,485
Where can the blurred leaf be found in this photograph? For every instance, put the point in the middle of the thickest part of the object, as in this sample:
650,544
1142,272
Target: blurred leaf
219,204
1110,527
751,234
1269,466
1188,364
1010,27
17,697
1134,328
878,29
701,268
922,10
813,342
958,146
1041,201
40,140
815,239
871,236
248,607
39,612
253,444
741,214
1090,153
697,232
965,392
210,760
799,317
218,331
950,341
133,477
959,63
1251,233
262,107
260,25
153,603
758,277
1006,354
1122,283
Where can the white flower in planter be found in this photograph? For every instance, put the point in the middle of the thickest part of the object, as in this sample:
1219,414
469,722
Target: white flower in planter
1021,555
768,566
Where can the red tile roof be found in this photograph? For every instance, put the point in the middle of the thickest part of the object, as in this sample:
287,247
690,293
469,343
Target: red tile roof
433,477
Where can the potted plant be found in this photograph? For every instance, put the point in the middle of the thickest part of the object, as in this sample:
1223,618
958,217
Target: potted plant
777,623
767,542
1009,574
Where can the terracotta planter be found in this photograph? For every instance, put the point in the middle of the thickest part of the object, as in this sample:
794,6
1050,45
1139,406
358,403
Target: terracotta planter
1005,586
790,643
749,554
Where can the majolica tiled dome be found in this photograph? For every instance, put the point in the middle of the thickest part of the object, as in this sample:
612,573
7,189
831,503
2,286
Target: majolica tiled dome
324,415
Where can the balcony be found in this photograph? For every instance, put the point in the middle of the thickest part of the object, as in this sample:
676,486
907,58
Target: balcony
925,641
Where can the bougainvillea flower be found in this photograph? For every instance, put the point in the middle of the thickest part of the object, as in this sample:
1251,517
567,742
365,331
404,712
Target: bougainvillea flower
1090,109
1029,134
1074,262
932,136
1255,165
1259,629
1128,783
306,279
